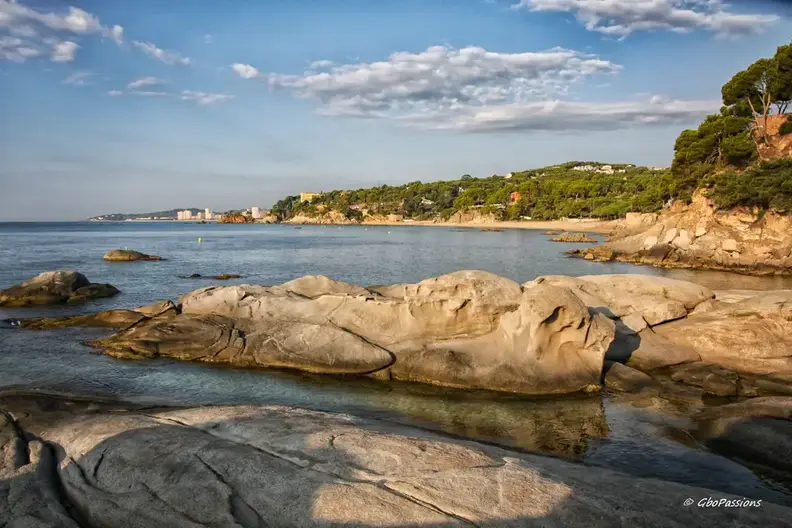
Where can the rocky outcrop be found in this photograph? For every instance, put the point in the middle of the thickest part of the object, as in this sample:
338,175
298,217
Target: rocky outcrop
625,379
55,287
128,255
71,463
700,236
235,218
108,319
468,329
752,335
326,218
574,237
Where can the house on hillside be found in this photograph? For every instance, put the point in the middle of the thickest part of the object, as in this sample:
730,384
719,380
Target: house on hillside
308,196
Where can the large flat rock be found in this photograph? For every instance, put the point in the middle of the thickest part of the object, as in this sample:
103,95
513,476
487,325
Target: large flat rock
107,465
469,329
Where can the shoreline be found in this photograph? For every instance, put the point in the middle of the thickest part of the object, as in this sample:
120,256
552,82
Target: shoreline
603,227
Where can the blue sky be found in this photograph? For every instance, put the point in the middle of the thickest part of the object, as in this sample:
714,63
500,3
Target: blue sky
117,106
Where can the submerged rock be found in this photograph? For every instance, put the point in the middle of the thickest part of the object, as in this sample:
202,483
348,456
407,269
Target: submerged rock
468,329
291,467
127,255
757,430
55,287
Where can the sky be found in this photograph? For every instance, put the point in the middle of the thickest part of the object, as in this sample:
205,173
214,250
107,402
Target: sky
119,106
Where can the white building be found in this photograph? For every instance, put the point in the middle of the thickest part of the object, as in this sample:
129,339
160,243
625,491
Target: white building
208,215
255,212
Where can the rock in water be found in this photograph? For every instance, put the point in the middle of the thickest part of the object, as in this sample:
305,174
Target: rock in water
55,287
574,237
127,255
468,329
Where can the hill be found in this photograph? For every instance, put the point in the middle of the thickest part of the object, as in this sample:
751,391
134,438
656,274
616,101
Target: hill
573,189
170,214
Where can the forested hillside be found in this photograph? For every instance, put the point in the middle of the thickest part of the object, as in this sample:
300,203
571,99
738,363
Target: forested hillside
551,192
741,155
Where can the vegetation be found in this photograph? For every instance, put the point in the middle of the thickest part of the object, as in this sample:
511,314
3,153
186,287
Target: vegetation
766,186
549,193
728,142
722,154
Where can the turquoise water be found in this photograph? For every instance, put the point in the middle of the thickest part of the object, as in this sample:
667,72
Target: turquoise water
636,436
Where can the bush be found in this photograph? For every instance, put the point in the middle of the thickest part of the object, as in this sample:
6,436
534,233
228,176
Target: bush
767,186
786,126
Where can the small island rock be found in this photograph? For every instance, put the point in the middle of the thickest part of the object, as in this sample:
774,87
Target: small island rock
128,255
55,287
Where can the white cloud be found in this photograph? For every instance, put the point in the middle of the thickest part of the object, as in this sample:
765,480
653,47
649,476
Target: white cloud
80,78
320,64
204,99
145,81
168,57
114,93
48,29
567,116
246,71
17,50
443,79
149,93
475,90
116,33
64,51
620,18
208,39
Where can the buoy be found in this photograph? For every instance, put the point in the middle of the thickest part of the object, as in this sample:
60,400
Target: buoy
200,240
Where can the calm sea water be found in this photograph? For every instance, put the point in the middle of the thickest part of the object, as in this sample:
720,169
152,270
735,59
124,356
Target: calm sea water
640,435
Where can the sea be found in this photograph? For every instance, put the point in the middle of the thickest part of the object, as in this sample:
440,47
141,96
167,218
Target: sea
639,435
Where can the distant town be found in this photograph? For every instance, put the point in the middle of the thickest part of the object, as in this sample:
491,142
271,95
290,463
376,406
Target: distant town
195,214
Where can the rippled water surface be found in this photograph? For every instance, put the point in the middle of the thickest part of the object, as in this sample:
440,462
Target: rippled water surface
642,436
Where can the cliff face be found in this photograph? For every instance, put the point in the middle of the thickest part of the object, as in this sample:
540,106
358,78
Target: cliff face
772,145
700,236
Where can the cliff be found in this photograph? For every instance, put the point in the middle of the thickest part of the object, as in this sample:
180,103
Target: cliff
699,235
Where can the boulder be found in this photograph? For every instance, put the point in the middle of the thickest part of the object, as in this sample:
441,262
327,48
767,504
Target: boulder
158,308
625,379
291,467
655,299
127,255
753,334
468,329
55,287
647,351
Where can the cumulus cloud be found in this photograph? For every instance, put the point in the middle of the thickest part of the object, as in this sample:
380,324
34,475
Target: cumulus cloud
208,39
14,15
443,79
168,57
44,30
472,89
114,93
145,81
204,99
64,51
246,71
80,78
17,50
116,33
620,18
